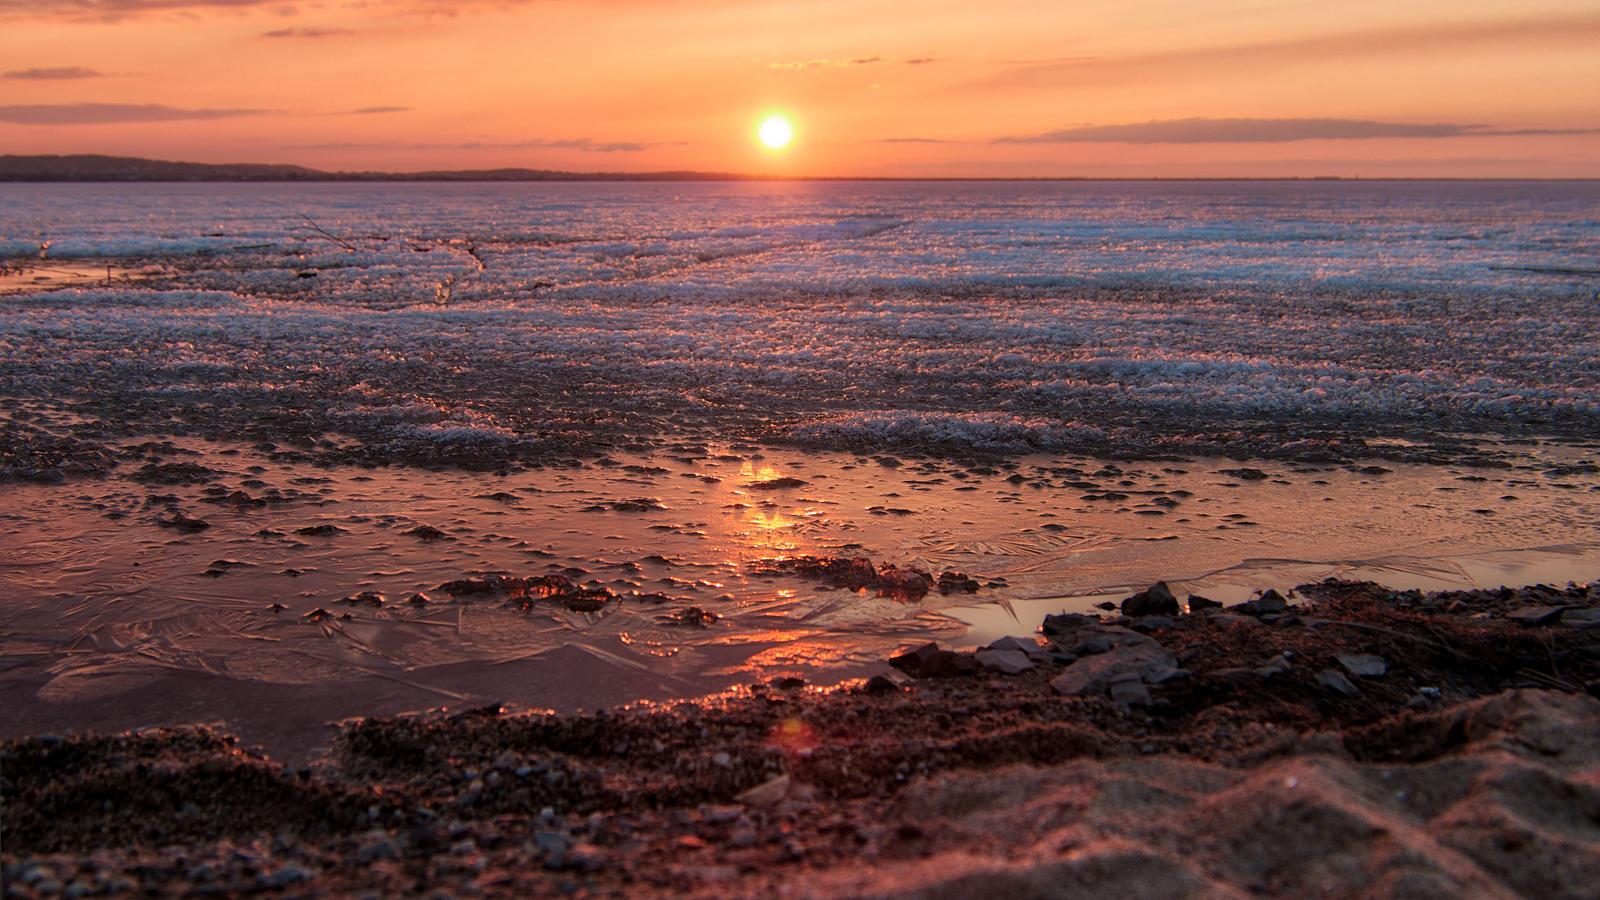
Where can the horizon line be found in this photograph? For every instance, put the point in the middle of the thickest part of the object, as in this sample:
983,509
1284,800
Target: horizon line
13,169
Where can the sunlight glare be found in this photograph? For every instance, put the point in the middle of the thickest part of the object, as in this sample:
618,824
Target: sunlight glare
776,132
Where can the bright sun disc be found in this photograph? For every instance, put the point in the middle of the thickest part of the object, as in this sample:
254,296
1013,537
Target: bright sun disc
776,132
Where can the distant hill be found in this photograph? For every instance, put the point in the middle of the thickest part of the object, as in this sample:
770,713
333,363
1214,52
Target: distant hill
129,168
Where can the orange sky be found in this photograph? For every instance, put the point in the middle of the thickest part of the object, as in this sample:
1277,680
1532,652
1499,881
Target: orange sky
874,87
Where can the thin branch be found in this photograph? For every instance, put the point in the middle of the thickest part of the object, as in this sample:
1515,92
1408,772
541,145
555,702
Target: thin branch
328,234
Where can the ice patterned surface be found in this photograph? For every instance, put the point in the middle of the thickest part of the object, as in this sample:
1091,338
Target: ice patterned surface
1014,317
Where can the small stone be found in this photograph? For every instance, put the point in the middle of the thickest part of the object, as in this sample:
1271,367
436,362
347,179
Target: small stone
1009,662
1166,674
878,684
1147,624
767,793
1238,678
1270,602
1581,618
1095,674
1066,623
1019,644
1130,693
554,847
1277,665
1363,666
1156,600
1537,616
283,877
1335,681
184,523
1198,603
929,661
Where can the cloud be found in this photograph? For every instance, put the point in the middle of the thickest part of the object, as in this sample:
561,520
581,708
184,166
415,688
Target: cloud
829,63
108,113
373,110
585,144
111,9
1254,131
63,73
1580,31
308,32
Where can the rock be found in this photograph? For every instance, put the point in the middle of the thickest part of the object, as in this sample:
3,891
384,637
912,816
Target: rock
767,793
319,530
1198,603
878,684
1231,619
1270,602
1095,674
1156,600
184,523
1363,666
1067,623
1165,674
283,877
1130,691
1537,616
928,661
427,533
1107,606
1147,624
1239,678
956,583
1244,474
1277,665
1334,680
554,847
1019,644
1008,661
384,849
1581,618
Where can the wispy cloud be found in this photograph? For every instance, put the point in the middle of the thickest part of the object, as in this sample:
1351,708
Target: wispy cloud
62,73
829,63
1581,31
1253,131
372,111
585,144
109,113
308,32
111,9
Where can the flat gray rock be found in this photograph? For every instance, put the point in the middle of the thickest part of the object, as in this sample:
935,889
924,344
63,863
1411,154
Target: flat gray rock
1094,674
1019,644
1334,680
1363,666
1008,661
1537,615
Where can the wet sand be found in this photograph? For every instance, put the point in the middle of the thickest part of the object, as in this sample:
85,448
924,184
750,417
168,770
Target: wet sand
267,589
1353,742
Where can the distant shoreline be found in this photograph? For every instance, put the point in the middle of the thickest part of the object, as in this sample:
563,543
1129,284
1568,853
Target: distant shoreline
88,168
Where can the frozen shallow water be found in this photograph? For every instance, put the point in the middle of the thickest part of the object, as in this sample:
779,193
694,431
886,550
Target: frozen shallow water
1044,386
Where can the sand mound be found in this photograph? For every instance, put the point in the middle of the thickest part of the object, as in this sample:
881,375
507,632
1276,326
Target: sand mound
1507,806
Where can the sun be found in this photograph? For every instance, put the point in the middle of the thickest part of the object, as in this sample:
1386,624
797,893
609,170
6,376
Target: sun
775,132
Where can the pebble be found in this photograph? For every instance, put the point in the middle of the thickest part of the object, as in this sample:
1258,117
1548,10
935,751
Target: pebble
1335,681
1009,662
1362,665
